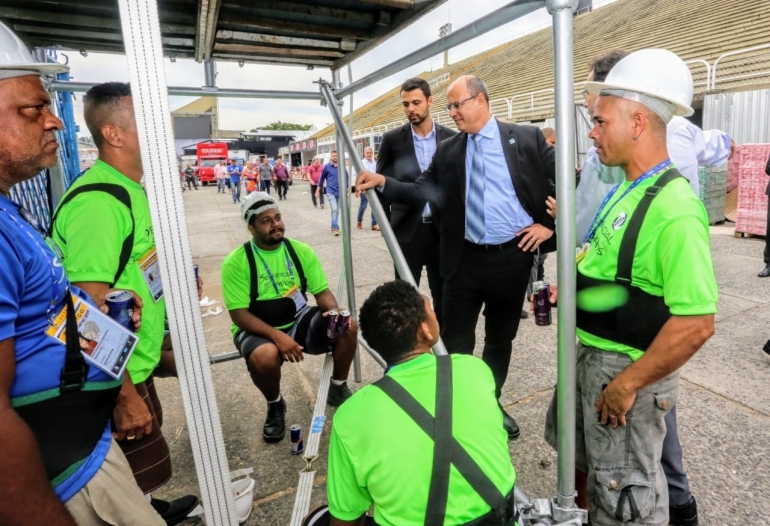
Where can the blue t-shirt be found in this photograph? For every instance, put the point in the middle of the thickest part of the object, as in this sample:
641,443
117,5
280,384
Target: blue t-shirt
331,177
235,170
32,288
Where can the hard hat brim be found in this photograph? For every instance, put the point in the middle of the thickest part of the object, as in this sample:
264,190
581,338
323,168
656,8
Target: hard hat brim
680,109
39,68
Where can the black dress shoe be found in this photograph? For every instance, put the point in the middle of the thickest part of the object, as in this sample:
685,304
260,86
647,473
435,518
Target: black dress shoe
765,272
684,515
524,315
275,423
509,424
175,511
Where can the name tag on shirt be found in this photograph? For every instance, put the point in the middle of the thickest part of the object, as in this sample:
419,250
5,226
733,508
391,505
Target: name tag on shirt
104,343
150,267
299,301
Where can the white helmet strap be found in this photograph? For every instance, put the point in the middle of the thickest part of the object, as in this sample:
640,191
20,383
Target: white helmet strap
661,108
256,211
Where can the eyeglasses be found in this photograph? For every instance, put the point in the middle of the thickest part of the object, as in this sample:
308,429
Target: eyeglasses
457,105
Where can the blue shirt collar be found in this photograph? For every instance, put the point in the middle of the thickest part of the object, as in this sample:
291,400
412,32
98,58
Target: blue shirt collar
429,136
489,131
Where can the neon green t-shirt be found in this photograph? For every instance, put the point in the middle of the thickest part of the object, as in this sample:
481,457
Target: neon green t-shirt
90,230
672,260
379,455
236,286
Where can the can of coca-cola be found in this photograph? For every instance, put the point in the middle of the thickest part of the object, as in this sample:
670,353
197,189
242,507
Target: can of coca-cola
331,329
542,292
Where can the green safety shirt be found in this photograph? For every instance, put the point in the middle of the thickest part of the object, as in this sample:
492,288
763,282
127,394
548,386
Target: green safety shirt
236,275
672,259
379,455
90,231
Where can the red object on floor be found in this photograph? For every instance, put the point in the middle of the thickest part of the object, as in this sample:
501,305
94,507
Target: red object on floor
751,215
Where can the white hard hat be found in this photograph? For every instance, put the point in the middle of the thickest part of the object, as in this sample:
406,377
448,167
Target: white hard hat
652,73
248,210
16,60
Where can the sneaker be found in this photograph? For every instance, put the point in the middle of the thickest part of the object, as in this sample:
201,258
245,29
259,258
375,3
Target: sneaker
684,515
275,423
175,511
338,394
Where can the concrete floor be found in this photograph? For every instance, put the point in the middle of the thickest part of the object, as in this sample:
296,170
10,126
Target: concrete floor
724,410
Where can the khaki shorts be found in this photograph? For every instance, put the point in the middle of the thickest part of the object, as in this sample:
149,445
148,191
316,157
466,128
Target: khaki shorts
626,483
112,498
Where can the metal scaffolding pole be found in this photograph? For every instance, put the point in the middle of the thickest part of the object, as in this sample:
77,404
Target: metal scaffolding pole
379,213
486,23
344,220
204,91
561,10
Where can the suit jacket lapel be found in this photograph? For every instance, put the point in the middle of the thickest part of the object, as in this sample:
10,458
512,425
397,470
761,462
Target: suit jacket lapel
511,150
408,141
462,152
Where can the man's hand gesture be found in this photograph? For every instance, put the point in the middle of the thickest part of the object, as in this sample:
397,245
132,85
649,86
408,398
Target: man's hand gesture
367,180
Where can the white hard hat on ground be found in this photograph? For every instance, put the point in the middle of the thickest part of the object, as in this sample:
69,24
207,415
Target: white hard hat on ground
248,209
17,61
656,78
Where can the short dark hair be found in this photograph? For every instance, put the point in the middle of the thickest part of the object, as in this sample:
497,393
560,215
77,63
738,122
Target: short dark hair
416,83
390,317
475,86
602,64
101,104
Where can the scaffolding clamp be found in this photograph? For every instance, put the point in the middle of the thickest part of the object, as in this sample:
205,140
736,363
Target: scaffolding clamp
309,464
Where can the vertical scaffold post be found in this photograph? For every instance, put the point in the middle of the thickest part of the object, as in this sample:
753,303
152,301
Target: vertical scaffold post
344,220
210,71
379,213
561,10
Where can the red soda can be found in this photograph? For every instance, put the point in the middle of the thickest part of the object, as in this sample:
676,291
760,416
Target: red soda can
331,330
542,292
343,323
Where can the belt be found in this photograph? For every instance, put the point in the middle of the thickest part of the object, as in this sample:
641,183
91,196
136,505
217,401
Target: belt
492,248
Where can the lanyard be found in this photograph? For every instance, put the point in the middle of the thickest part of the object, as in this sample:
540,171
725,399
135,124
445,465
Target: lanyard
53,263
597,222
289,266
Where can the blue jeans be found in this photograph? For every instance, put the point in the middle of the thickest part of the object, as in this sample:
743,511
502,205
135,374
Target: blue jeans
264,185
362,209
221,185
236,189
335,212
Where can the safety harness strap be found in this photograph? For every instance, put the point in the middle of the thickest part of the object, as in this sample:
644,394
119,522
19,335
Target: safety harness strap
254,275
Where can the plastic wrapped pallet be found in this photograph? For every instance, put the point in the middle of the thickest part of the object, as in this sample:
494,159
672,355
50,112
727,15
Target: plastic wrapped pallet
752,181
713,191
733,167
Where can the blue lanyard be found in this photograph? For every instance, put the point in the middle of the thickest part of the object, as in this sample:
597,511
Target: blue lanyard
53,264
597,222
289,266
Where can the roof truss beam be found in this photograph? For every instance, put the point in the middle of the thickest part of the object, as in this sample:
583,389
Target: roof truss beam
261,38
295,27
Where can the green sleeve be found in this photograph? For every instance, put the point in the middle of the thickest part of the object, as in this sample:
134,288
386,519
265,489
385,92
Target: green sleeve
314,272
236,284
90,230
689,285
347,499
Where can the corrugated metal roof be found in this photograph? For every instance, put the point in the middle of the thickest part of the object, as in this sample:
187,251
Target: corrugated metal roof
324,33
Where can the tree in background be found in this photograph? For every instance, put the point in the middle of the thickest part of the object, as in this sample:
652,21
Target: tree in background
279,125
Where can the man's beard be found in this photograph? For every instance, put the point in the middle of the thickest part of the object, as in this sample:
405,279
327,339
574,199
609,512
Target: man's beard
271,240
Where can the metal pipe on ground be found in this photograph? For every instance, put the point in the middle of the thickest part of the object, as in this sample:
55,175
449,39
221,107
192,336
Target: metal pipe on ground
204,92
493,20
374,202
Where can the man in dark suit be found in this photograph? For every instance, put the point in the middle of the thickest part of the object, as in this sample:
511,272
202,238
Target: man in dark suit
404,154
489,185
766,271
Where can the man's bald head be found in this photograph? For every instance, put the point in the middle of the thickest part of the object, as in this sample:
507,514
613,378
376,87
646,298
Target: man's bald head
468,103
550,136
105,105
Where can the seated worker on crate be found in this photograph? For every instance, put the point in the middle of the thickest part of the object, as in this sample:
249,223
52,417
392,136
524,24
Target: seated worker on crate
425,444
264,283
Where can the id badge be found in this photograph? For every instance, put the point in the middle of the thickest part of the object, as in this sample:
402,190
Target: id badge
299,301
581,252
150,267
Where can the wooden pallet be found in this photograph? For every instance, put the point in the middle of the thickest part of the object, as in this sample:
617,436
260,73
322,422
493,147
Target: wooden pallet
748,235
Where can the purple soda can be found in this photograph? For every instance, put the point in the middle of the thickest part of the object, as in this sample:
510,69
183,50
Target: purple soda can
343,323
195,268
121,306
542,292
297,447
331,330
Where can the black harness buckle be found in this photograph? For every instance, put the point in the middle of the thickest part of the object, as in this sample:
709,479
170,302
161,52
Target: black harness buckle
73,379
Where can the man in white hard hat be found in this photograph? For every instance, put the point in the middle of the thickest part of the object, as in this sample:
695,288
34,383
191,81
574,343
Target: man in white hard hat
59,464
265,283
646,293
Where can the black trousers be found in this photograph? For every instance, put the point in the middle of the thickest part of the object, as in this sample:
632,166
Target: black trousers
423,251
282,187
767,235
496,280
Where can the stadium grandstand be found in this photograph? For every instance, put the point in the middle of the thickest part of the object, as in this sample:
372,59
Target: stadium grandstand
519,73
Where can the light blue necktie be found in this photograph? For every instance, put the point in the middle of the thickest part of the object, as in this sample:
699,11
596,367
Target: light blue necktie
474,210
